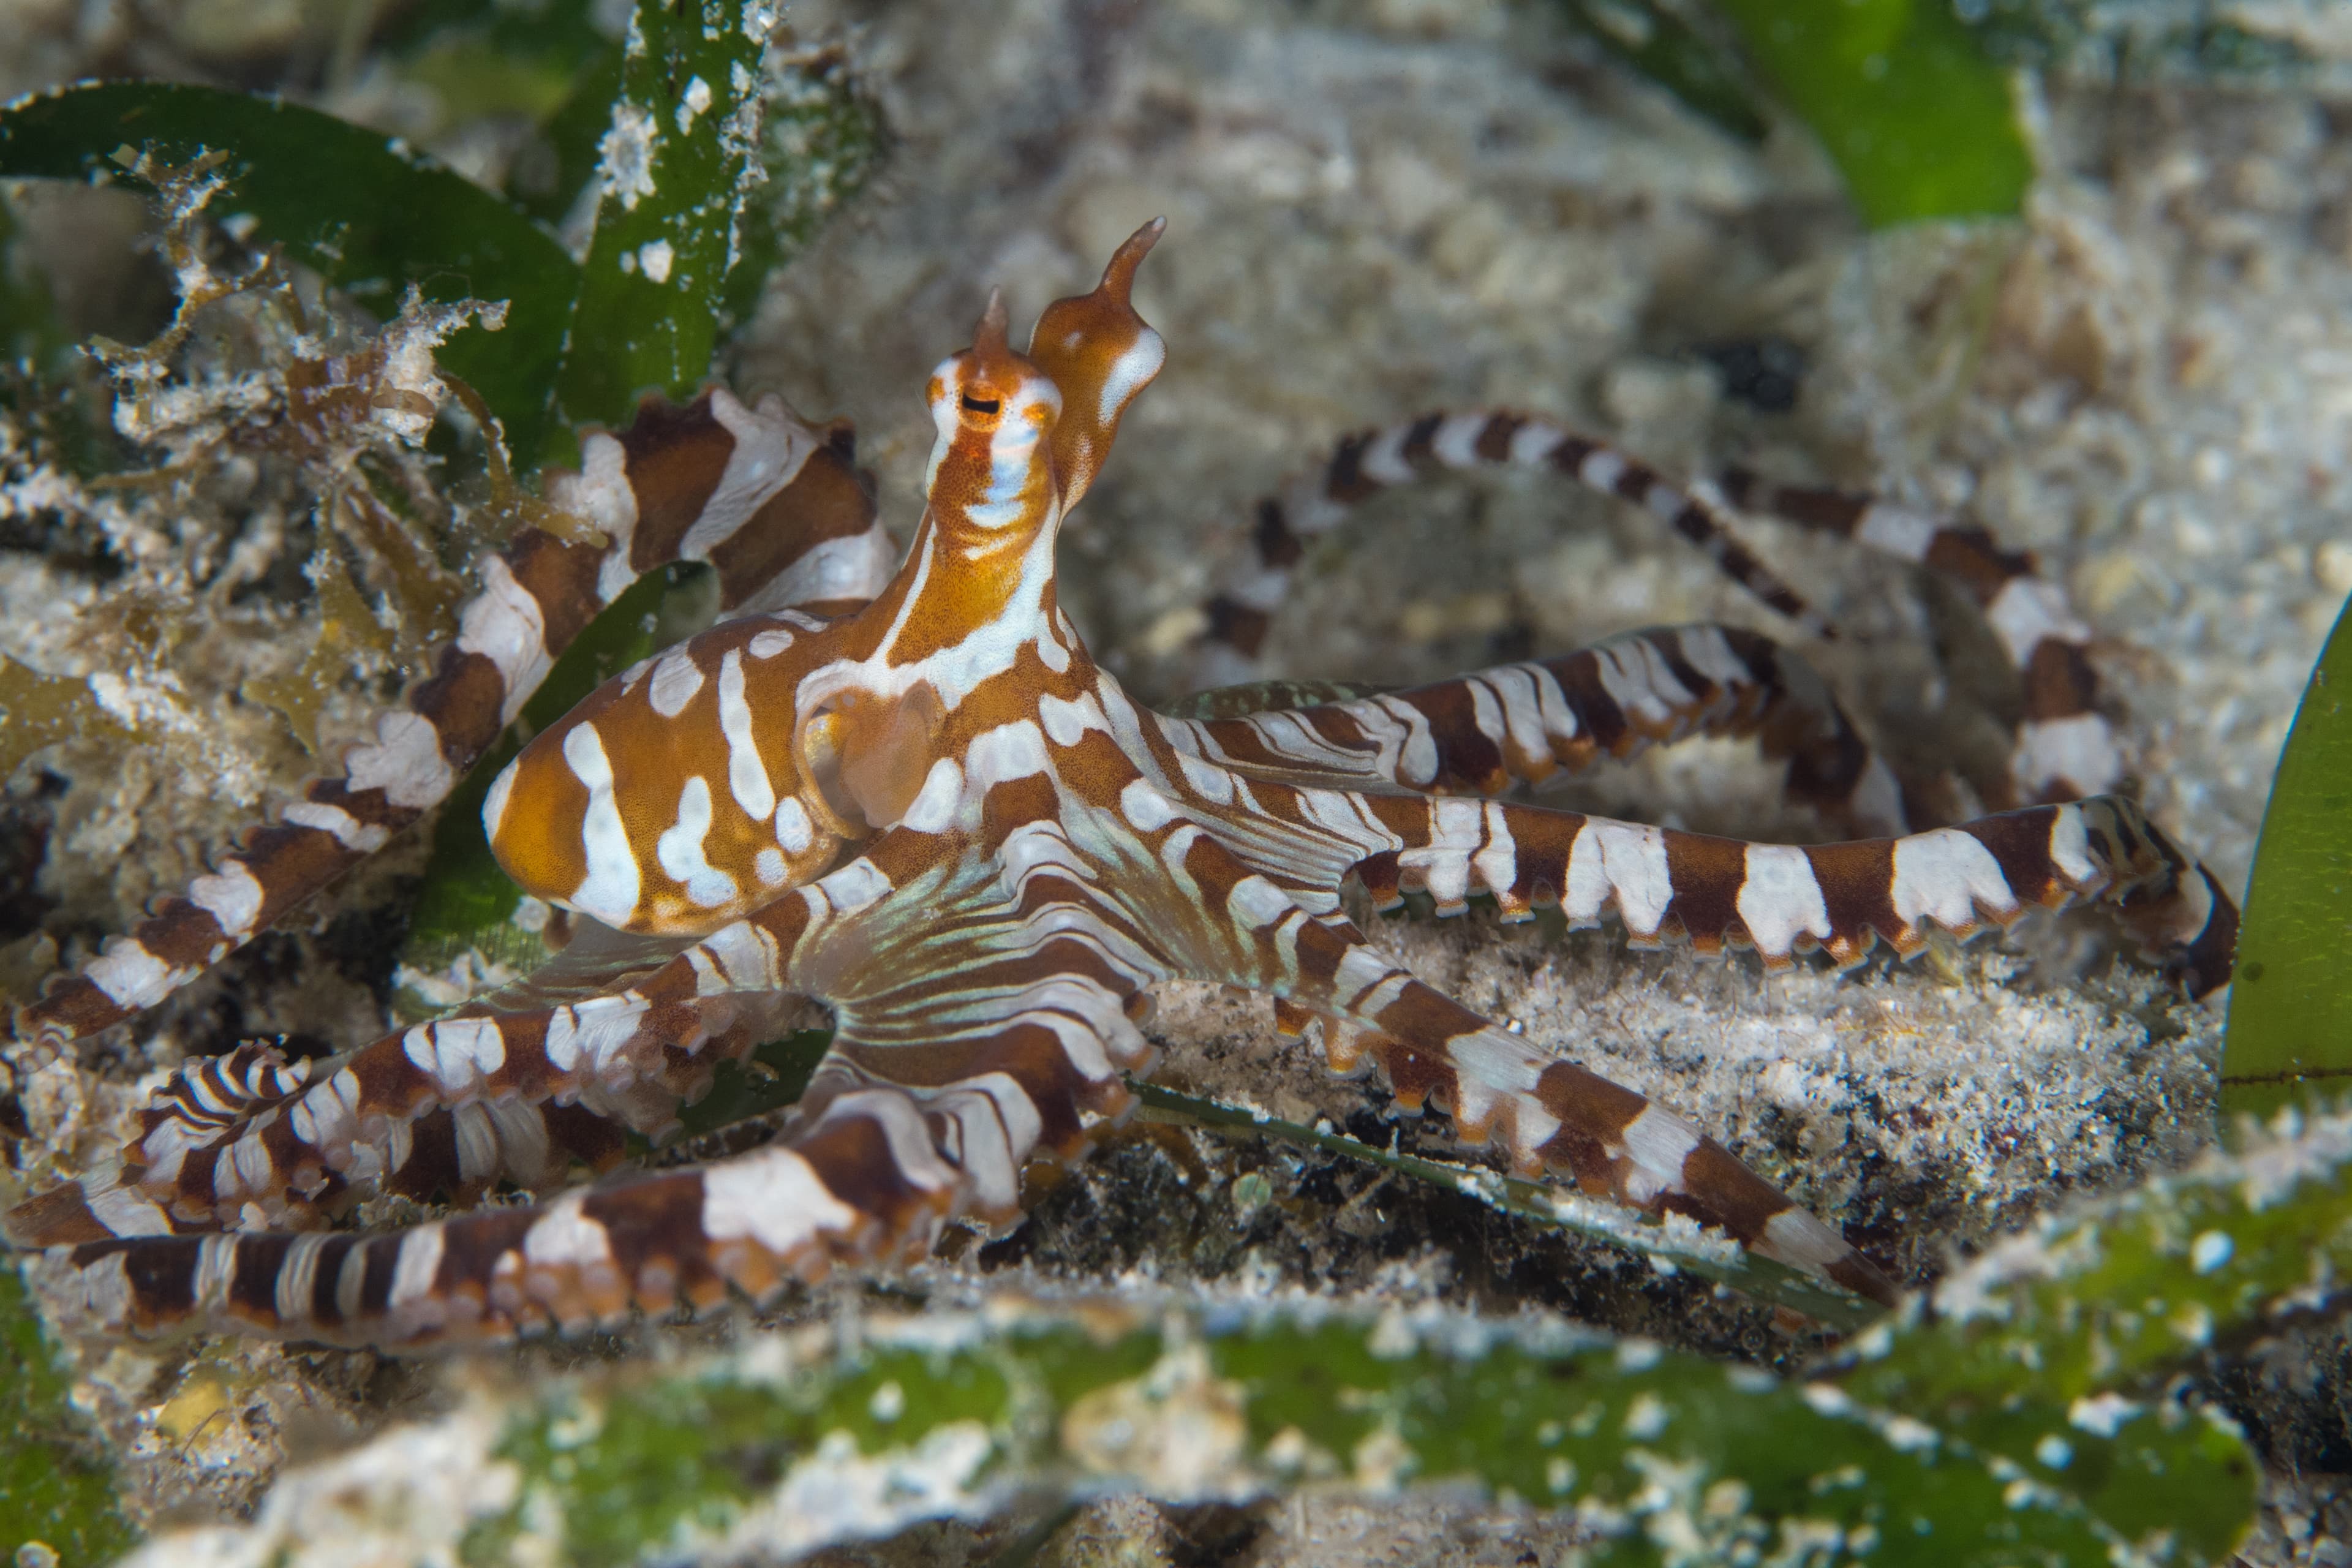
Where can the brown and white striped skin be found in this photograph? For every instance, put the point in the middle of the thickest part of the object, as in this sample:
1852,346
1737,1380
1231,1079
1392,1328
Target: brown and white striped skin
1484,732
662,1038
1238,615
1477,734
996,1019
1023,852
674,799
2066,748
773,502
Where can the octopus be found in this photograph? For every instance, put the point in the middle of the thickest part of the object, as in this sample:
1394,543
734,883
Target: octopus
903,792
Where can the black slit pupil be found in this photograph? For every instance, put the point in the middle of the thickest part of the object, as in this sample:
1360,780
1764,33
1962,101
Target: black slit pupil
980,405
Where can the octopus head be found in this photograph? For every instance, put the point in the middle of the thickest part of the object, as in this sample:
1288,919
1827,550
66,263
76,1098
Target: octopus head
992,466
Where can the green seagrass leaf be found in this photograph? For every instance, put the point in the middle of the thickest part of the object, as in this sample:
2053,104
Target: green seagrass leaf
30,330
778,1075
1915,115
482,56
680,165
2291,1004
553,62
53,1488
368,214
472,78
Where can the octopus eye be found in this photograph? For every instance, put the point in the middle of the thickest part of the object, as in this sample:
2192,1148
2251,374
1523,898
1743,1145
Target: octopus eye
980,405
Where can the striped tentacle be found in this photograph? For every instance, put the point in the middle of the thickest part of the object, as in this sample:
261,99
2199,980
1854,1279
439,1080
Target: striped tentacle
1664,885
856,1184
2066,748
210,1093
774,503
212,1101
1543,1113
452,1105
201,1102
1239,614
1480,733
969,1039
1002,986
443,1107
1785,899
1009,1060
440,1155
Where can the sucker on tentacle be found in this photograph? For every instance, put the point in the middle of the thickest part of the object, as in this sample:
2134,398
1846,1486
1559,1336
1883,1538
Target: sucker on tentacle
934,814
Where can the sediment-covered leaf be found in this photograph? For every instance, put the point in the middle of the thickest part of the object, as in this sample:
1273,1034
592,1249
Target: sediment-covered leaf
794,1442
680,163
2063,1349
821,139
